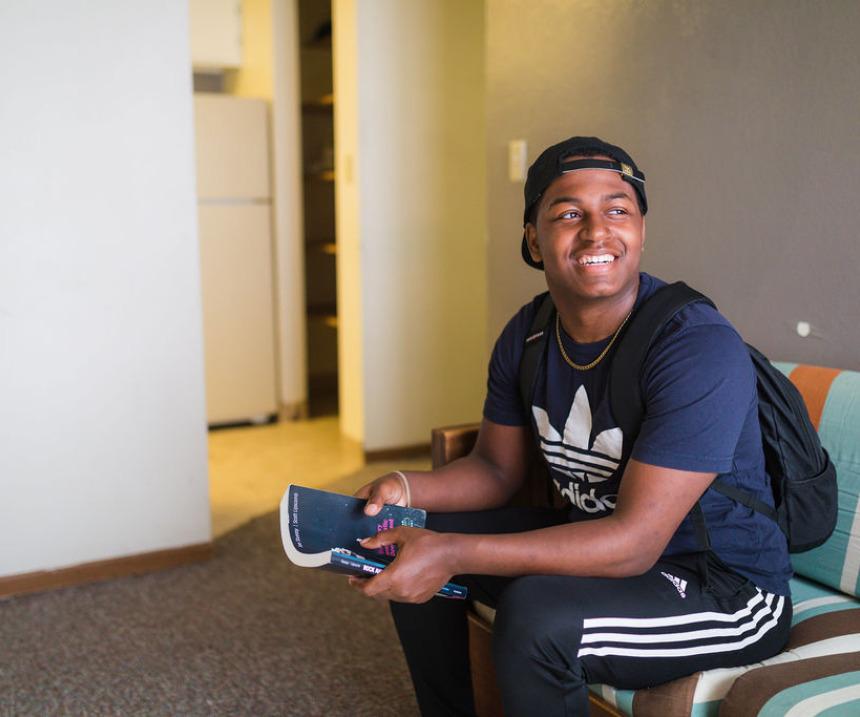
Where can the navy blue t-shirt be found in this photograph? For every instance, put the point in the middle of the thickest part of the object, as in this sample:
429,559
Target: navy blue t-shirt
701,414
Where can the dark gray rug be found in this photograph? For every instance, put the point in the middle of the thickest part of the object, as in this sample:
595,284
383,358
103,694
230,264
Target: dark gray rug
246,633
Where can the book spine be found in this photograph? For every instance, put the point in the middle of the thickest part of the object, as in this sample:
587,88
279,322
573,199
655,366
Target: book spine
357,565
452,590
361,566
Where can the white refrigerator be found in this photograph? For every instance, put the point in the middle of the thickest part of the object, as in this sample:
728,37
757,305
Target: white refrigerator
236,254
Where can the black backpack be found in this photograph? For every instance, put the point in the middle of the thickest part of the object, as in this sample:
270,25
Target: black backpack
803,479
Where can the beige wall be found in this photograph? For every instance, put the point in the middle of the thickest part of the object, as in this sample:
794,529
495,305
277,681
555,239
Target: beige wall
411,214
743,115
255,76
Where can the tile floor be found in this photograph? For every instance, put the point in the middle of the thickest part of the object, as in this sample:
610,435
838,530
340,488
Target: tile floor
251,467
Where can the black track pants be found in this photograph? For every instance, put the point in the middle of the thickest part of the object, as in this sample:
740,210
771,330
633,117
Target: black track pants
555,635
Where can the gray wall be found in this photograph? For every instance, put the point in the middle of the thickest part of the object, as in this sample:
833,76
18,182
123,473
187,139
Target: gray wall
744,117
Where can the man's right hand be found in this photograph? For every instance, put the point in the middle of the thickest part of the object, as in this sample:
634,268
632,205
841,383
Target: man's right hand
386,490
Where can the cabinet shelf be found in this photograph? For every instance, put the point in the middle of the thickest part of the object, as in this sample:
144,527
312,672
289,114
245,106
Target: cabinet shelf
326,314
322,246
322,175
324,104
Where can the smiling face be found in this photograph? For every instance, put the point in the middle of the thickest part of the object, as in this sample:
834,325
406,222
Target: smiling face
589,232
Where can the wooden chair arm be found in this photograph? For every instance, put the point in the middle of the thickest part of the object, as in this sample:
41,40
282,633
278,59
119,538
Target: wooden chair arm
448,443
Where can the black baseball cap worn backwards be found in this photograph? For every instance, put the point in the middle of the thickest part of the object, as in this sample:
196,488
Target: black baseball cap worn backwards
554,162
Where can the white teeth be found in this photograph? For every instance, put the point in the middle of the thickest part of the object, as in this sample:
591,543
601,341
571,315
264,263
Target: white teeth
601,259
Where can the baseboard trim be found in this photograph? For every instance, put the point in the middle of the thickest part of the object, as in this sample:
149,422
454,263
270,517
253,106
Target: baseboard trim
421,450
294,411
97,571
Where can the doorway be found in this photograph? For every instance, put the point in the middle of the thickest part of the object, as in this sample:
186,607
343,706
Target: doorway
320,244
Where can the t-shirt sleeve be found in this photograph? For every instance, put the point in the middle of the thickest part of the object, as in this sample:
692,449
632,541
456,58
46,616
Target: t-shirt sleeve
503,403
698,388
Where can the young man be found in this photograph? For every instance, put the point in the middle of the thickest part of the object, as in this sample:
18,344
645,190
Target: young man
615,588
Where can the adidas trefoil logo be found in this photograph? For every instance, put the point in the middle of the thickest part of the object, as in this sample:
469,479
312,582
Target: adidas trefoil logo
680,585
571,454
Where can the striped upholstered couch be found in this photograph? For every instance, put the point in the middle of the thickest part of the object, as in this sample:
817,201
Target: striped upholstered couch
819,670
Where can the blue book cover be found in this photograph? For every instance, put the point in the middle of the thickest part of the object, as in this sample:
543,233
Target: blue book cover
320,529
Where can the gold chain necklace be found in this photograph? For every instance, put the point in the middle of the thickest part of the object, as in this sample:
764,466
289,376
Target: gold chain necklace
603,353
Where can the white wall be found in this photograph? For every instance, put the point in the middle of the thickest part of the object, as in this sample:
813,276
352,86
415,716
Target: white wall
409,123
743,116
102,420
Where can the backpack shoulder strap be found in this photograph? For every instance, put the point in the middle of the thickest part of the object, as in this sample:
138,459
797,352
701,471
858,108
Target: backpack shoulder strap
533,349
625,386
645,325
744,498
625,391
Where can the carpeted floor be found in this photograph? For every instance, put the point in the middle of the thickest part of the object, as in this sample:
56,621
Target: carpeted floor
246,633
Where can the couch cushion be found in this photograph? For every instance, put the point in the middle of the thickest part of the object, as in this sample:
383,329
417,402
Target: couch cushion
824,623
833,400
810,601
822,685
